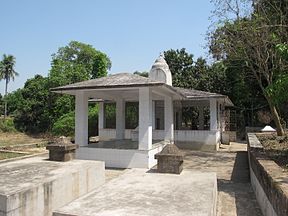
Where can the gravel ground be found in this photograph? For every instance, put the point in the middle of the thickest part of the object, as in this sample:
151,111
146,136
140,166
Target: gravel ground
276,148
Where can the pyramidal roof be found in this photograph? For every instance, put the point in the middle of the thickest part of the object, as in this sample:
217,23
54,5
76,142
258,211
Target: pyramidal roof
160,75
119,80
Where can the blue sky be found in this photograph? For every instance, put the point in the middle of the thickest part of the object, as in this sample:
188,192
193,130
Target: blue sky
131,32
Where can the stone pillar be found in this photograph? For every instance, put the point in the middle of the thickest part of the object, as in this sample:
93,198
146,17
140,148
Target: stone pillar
81,119
180,117
201,118
153,116
213,114
120,118
101,116
145,119
169,127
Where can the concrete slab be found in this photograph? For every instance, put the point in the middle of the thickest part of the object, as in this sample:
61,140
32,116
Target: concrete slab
36,186
137,192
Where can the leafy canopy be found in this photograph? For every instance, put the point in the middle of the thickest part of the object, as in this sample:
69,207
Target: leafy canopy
252,40
7,68
36,108
77,62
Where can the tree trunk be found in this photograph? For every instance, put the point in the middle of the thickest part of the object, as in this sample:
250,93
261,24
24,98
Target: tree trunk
276,118
5,102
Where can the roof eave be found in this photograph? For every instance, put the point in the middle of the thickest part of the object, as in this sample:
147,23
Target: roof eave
75,88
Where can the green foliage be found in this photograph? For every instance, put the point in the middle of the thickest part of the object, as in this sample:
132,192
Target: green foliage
181,66
64,72
77,62
65,125
278,89
7,72
213,78
110,115
252,41
36,108
1,104
131,115
144,73
187,73
15,100
7,125
93,120
33,112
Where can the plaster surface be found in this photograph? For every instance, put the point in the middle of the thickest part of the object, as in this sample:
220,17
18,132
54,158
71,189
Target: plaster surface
235,194
138,192
36,186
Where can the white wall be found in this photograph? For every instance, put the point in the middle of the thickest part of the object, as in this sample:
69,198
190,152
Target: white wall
107,134
67,182
202,136
263,201
120,158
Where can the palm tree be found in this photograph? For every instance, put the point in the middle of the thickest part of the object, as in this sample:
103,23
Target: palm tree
7,72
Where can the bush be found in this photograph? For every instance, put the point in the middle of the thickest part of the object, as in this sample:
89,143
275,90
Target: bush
93,121
7,125
65,125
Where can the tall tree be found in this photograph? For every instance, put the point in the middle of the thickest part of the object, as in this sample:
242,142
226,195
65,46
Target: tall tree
252,40
33,113
278,89
39,108
7,72
77,62
181,66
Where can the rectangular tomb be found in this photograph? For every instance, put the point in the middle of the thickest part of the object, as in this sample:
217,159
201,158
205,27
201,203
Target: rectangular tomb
37,186
141,193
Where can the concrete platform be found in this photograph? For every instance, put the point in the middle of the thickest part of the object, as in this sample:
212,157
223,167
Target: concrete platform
137,192
36,186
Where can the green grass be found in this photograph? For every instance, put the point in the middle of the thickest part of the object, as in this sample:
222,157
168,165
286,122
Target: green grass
7,139
7,155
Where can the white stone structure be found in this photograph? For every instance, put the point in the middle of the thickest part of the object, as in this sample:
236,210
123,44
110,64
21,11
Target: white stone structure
160,122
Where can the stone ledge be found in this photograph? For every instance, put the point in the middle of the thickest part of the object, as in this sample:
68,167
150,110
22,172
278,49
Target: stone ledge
272,178
36,186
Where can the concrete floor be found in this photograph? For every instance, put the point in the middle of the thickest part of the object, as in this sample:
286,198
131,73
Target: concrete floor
235,194
138,192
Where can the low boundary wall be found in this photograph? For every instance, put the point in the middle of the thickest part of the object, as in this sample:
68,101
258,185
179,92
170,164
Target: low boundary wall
269,181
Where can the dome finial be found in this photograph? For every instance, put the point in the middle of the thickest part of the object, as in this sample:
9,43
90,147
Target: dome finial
160,70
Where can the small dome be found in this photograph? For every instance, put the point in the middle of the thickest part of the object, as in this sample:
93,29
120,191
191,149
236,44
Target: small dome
160,71
268,128
160,63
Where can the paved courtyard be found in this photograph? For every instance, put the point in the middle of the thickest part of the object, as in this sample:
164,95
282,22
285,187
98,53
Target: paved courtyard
138,192
235,194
